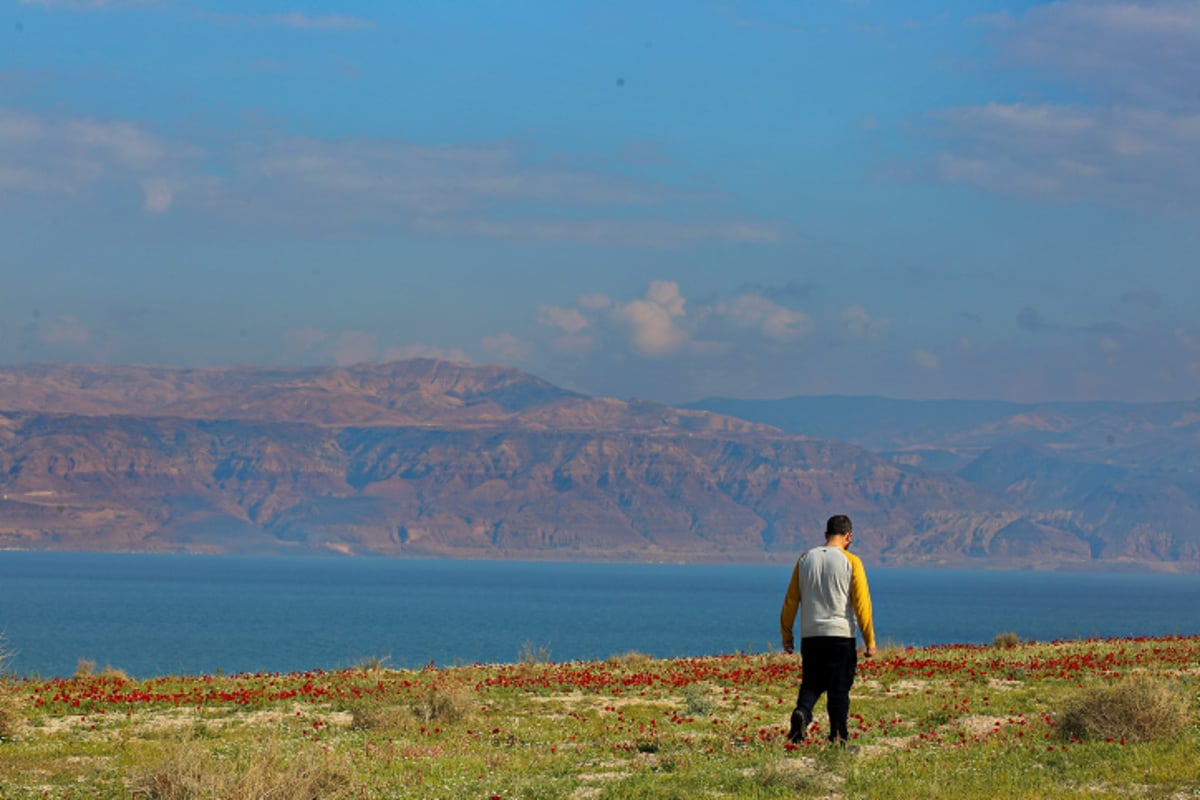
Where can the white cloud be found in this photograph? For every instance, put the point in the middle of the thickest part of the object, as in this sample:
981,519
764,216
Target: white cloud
655,323
1132,136
70,157
664,323
572,323
775,322
427,179
1122,156
121,142
568,320
482,189
925,359
1141,53
861,326
1004,120
666,294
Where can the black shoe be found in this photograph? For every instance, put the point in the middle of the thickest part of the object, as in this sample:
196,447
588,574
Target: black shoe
801,719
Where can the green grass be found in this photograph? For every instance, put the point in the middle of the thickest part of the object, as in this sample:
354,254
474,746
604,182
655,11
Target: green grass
975,722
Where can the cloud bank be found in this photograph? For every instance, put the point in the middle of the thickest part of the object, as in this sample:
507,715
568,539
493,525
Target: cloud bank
1132,140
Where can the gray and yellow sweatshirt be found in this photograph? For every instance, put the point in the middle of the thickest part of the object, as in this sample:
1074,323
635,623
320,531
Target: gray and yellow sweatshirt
829,587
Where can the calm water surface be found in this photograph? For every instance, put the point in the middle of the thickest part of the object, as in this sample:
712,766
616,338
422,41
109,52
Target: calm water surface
160,614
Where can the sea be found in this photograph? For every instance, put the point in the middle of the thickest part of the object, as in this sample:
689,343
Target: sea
151,615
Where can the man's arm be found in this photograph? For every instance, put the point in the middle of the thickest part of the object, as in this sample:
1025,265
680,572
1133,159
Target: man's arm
860,598
787,614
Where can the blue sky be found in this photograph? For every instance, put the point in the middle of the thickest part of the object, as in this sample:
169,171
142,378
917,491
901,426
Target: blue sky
666,200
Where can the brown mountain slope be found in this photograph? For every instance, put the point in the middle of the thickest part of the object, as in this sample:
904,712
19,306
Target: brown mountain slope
173,484
415,392
429,458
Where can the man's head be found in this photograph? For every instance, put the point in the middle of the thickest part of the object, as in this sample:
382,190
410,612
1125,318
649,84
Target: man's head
838,526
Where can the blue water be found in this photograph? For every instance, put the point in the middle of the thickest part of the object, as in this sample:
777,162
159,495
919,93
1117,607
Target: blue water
170,614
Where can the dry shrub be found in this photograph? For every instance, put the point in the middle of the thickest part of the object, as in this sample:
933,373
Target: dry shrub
85,669
11,713
1006,640
697,701
111,673
790,776
533,655
191,772
444,703
373,664
372,715
630,660
1139,709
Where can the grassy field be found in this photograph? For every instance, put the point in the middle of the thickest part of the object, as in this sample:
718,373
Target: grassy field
1095,719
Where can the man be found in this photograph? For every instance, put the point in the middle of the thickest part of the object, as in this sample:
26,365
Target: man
829,587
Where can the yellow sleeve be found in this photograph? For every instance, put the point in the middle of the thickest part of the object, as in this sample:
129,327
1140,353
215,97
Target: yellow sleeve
860,597
787,615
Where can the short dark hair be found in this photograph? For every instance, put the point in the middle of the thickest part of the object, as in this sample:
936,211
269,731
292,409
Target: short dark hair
838,525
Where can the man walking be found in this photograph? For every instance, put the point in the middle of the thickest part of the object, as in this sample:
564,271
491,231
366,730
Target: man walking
829,587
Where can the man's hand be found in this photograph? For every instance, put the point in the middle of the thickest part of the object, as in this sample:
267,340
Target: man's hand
869,652
789,649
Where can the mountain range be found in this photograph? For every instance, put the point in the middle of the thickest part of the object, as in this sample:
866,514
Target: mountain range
435,459
1124,478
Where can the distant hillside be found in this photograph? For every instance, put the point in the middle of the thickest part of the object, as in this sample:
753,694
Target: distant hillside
1122,476
429,458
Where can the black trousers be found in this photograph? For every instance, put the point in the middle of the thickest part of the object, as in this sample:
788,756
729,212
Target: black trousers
827,665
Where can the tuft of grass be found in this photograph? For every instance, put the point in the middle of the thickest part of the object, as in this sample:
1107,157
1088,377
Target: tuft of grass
1138,709
445,704
631,660
533,655
111,673
368,714
192,772
1006,640
12,715
11,712
373,663
781,775
85,669
697,701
